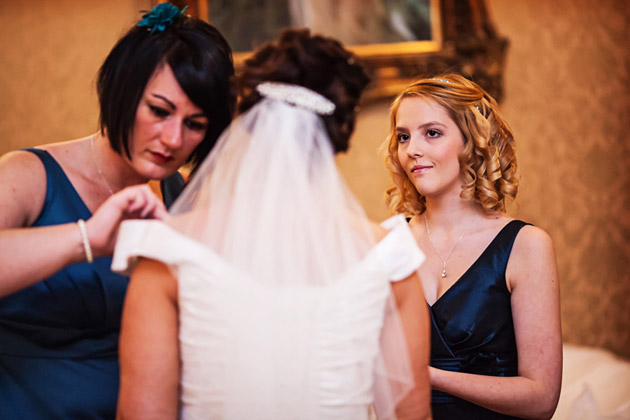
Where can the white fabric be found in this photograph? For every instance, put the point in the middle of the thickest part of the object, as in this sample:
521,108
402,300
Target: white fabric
251,351
595,385
270,200
291,292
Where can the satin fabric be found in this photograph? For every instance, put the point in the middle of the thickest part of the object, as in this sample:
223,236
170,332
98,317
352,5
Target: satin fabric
472,329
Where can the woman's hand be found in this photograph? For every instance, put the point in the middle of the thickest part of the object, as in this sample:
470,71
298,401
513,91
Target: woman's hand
135,202
30,254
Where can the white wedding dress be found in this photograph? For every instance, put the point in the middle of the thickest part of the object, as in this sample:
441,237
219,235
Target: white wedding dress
253,352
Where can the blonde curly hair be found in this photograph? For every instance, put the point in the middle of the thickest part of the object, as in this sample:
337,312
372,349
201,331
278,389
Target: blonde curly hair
488,162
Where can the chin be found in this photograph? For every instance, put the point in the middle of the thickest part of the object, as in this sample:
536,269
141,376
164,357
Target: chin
427,191
157,172
422,189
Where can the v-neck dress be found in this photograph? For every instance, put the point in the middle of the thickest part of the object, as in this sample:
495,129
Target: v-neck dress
472,329
59,337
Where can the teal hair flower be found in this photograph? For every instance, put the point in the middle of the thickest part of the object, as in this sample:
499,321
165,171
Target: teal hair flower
161,16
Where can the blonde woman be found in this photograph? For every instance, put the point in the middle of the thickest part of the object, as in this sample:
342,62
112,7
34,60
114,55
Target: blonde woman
490,281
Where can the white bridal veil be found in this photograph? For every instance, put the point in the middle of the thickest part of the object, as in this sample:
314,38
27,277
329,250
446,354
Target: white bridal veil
270,201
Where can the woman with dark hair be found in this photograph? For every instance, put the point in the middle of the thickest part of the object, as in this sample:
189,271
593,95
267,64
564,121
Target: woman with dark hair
165,97
491,281
269,290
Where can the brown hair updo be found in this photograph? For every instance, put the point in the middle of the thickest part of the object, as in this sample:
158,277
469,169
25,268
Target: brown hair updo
316,62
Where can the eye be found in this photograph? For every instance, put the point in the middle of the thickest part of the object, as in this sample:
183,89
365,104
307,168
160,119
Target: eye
433,133
195,125
158,111
402,137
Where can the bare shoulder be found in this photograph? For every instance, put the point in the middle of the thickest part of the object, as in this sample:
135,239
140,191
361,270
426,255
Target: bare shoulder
19,160
532,239
154,276
70,155
533,259
22,190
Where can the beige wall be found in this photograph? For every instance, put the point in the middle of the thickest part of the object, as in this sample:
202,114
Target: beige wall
567,97
50,51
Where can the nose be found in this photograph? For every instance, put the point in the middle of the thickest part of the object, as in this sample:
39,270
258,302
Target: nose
172,133
415,149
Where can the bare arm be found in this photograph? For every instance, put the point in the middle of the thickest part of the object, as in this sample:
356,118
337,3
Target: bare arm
29,255
412,309
149,352
534,393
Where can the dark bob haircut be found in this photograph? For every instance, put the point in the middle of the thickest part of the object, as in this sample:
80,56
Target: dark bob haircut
316,62
201,61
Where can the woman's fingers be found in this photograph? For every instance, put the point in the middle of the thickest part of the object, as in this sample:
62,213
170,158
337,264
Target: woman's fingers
146,205
133,202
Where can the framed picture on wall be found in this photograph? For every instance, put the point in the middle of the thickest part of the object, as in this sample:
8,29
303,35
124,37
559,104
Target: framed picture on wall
369,27
380,32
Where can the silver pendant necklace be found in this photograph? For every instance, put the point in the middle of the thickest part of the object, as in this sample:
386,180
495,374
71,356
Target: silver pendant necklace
426,223
98,168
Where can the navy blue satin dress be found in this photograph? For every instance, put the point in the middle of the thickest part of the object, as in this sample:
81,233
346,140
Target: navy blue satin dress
472,329
59,337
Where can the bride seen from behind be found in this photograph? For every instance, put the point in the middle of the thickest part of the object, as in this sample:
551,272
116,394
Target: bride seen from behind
269,294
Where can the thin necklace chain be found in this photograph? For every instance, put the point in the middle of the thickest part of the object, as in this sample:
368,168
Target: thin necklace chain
98,168
426,223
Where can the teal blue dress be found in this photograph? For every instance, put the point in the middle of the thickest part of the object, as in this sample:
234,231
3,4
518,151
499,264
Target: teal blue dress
472,330
59,337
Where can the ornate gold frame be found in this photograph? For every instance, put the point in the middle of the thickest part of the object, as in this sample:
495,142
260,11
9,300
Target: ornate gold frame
463,41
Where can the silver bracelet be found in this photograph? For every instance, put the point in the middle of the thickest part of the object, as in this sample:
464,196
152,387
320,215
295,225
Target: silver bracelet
86,241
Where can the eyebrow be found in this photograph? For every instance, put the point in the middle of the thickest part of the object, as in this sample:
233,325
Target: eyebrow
173,106
427,124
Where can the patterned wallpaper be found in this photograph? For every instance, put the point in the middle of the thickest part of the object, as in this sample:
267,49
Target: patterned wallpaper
568,99
567,96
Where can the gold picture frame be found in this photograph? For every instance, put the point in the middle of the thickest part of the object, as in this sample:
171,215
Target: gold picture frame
463,40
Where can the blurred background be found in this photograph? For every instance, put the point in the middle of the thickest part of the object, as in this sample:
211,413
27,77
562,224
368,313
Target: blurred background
566,93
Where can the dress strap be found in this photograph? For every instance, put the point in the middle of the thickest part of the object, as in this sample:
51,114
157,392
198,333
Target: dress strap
504,241
58,183
52,169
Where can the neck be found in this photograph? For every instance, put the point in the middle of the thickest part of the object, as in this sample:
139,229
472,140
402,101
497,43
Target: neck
115,169
451,212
